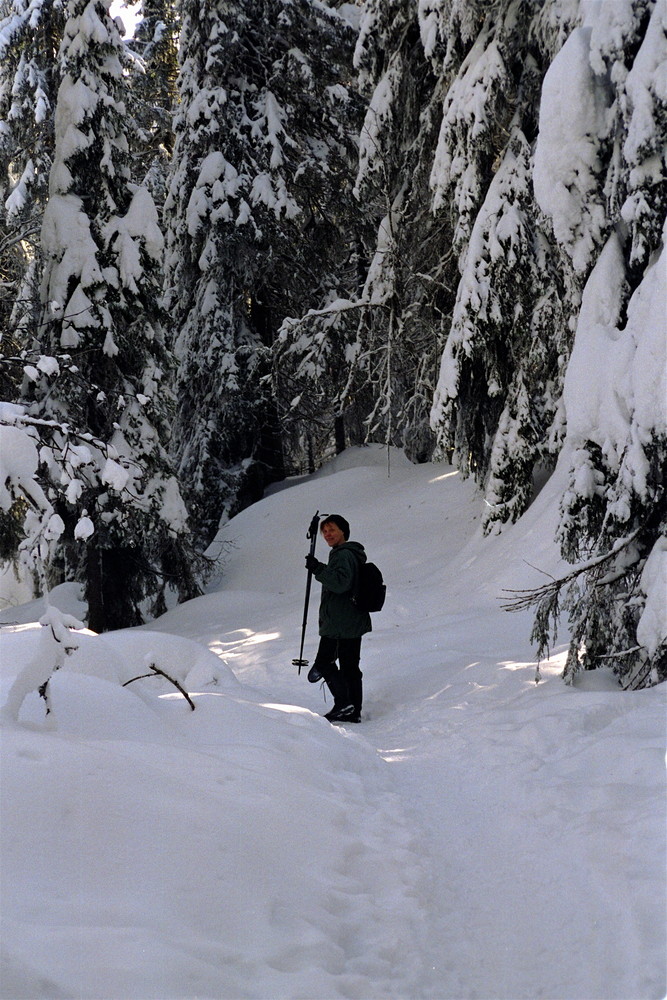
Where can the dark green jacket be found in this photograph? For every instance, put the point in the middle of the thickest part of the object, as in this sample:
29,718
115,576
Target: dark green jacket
339,618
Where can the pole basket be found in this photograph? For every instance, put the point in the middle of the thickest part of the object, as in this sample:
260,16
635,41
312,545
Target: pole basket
296,662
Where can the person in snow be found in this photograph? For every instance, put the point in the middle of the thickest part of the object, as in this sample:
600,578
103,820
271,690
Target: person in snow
341,623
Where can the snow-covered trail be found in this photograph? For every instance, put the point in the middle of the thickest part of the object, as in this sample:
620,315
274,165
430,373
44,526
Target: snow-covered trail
521,802
527,818
529,875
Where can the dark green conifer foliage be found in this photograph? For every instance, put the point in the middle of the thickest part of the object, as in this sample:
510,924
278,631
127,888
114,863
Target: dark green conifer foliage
104,462
261,176
154,94
30,36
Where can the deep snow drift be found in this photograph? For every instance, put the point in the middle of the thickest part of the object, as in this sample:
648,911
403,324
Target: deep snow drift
478,836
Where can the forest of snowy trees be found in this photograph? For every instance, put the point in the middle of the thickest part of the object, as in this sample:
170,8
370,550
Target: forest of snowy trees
256,232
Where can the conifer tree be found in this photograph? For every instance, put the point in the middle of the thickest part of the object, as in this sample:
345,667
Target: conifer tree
496,410
153,86
614,510
453,97
30,35
393,342
262,150
101,403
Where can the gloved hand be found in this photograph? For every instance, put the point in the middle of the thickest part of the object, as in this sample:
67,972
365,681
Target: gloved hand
311,562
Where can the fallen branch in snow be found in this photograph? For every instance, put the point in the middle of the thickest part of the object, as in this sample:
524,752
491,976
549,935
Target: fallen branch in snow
157,671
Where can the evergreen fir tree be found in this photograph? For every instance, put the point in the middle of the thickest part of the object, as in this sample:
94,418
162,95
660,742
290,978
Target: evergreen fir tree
260,162
101,403
536,185
614,511
30,35
153,87
497,410
453,103
396,344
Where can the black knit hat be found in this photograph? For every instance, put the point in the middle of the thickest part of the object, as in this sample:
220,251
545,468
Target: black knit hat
339,521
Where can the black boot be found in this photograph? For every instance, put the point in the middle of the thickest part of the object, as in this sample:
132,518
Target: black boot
348,709
339,692
322,668
343,713
355,691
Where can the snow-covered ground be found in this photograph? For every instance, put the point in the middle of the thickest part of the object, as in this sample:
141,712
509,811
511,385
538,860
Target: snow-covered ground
478,836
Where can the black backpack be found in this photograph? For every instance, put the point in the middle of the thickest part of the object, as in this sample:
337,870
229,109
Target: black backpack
369,591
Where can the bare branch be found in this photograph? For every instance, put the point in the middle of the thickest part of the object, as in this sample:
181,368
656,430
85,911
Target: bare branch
157,671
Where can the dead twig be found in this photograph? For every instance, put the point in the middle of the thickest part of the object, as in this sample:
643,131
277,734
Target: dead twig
157,671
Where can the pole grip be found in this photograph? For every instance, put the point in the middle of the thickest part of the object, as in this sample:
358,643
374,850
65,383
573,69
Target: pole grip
312,530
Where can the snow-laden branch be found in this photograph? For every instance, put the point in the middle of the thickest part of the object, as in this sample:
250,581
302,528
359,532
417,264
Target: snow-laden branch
57,641
14,419
336,308
31,228
527,598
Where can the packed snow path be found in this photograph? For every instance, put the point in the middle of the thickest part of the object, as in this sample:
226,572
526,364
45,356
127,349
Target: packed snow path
478,836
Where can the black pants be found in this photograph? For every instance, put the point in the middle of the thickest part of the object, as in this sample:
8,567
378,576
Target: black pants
343,679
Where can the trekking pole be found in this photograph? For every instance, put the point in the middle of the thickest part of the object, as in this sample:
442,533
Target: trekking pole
312,534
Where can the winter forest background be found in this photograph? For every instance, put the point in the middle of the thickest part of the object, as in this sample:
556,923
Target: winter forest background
254,233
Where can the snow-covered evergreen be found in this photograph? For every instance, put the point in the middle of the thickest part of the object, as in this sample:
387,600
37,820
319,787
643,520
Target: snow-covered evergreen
551,142
153,94
30,34
614,512
496,405
101,404
262,149
396,349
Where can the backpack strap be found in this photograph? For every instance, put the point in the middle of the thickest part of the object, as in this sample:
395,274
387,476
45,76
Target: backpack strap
354,589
